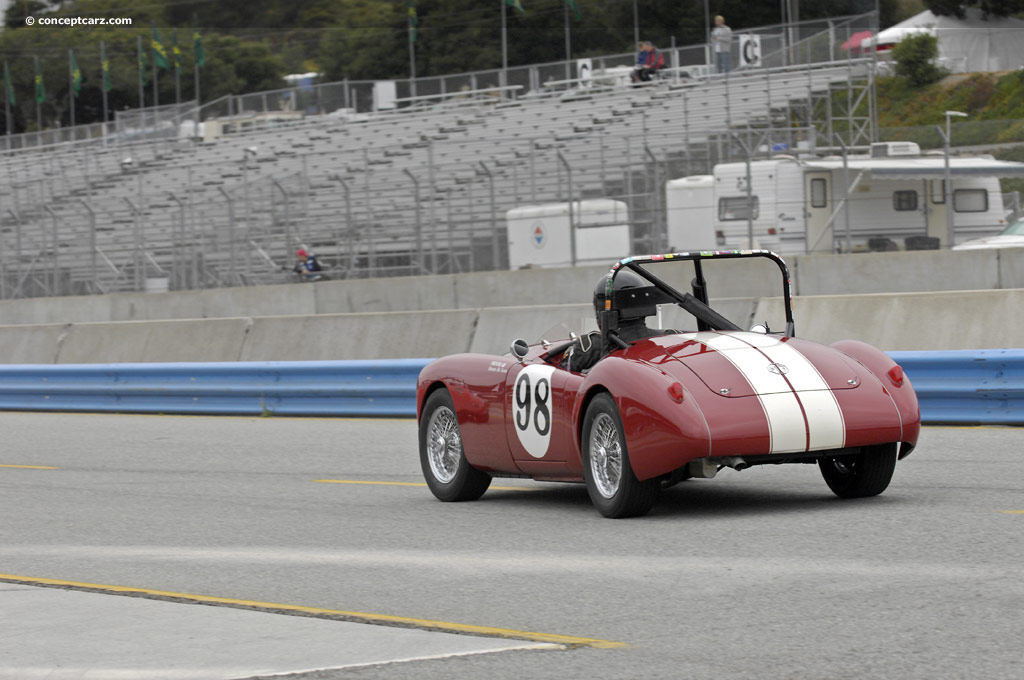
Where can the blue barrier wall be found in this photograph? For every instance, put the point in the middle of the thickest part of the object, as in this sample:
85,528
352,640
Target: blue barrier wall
348,388
969,386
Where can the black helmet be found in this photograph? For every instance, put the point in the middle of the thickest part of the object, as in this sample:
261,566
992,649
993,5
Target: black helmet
636,306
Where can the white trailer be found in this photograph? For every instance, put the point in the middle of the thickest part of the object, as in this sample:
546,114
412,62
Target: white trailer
798,205
691,209
540,235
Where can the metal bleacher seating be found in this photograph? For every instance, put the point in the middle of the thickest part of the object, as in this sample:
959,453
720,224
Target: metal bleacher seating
417,190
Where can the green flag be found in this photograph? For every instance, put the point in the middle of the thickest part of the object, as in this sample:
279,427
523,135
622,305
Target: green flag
414,21
516,5
159,53
197,46
575,9
76,75
40,89
175,51
142,67
7,84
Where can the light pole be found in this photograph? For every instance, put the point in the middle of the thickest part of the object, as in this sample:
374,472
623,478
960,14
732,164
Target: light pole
948,188
636,22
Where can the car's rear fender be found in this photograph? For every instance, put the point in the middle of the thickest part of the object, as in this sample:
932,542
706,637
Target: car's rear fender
478,396
900,390
662,432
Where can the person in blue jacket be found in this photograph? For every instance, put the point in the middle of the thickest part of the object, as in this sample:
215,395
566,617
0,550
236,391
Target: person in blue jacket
307,267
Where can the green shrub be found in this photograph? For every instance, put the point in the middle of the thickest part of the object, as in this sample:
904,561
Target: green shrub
915,59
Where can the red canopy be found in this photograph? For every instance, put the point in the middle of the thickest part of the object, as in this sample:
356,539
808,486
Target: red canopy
854,43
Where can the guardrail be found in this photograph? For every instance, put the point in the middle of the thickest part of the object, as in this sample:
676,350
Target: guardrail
967,386
337,388
961,387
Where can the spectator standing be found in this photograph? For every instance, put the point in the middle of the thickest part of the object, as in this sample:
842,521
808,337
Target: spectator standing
721,40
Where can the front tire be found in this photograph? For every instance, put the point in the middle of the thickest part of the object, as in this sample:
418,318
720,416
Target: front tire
867,473
445,468
614,489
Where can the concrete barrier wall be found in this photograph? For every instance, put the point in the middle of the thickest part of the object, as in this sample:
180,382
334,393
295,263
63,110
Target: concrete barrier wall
153,341
390,335
385,295
989,319
812,275
897,272
1011,268
28,344
908,321
499,326
525,287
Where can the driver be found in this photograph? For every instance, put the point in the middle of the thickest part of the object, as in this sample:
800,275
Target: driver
588,349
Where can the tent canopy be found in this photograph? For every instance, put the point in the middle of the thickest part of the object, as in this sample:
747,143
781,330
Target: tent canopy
971,44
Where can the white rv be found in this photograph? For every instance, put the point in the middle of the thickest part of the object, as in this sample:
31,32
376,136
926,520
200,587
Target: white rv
541,236
798,205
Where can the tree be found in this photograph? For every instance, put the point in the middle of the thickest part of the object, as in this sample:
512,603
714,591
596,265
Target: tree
990,8
915,59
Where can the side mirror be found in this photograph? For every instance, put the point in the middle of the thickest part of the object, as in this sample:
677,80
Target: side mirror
761,328
520,348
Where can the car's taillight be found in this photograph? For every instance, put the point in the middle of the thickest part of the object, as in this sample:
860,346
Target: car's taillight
896,375
675,390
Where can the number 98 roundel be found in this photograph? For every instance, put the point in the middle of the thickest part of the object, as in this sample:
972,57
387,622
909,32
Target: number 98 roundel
531,409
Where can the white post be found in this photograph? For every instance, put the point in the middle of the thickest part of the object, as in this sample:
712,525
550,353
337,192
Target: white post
948,188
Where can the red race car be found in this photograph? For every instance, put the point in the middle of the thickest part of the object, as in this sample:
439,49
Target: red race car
629,409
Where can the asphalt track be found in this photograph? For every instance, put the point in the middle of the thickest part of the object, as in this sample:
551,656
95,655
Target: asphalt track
211,547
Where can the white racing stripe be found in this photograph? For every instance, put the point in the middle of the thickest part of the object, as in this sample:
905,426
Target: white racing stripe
821,416
824,417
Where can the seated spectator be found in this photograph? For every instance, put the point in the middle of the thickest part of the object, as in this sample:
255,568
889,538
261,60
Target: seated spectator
308,266
649,60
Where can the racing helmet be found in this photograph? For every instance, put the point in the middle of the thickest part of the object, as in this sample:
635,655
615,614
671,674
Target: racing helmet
634,306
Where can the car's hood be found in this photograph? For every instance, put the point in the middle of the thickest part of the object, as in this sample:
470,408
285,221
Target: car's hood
741,364
1008,241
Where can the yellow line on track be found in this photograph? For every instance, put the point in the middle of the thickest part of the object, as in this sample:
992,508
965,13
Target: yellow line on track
358,617
359,481
29,467
1011,512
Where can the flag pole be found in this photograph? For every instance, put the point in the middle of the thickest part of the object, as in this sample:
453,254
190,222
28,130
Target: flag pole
142,90
7,100
71,88
504,43
568,42
39,110
104,71
195,63
177,69
412,58
156,93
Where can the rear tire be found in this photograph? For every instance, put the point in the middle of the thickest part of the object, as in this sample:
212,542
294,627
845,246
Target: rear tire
614,489
445,468
867,473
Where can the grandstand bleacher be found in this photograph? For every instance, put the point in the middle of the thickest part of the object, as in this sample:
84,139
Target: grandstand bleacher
422,189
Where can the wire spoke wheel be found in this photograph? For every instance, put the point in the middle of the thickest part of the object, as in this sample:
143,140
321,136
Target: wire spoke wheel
605,455
442,456
444,444
613,487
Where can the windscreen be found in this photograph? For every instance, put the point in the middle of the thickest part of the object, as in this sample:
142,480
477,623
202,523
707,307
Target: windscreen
746,291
